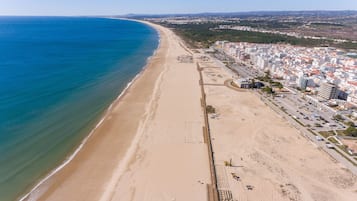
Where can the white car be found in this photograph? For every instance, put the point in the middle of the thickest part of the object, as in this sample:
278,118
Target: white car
329,145
318,138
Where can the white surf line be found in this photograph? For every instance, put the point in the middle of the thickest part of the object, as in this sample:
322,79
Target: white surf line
31,195
118,172
35,192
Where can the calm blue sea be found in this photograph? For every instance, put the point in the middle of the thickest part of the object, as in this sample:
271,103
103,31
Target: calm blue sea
57,77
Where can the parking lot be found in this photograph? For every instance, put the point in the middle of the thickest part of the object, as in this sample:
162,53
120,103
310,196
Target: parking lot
308,113
304,113
245,71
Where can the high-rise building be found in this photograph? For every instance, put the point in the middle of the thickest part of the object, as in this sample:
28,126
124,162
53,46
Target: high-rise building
302,82
328,91
342,95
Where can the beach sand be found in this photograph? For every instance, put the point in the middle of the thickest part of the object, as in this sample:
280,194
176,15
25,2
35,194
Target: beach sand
266,151
150,144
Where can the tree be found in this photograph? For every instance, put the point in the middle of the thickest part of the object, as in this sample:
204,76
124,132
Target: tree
267,74
268,90
253,83
338,117
351,131
350,123
278,85
210,109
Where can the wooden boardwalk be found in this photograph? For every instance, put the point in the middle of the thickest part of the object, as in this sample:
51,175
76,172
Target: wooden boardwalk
212,189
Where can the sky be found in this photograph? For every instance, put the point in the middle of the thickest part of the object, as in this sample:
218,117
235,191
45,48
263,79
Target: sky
119,7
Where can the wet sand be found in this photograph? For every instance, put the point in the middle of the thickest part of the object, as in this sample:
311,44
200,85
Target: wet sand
150,144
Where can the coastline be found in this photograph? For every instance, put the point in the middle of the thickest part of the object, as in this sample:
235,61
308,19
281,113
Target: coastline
150,145
80,146
168,158
42,185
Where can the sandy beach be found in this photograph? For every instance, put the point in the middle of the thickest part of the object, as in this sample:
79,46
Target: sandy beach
150,144
267,153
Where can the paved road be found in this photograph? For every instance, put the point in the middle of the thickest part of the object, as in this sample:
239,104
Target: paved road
248,72
302,110
319,144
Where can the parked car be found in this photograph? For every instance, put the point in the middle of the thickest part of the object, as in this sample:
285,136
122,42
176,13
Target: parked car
318,138
329,145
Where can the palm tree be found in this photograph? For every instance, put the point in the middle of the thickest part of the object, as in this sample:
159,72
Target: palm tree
253,83
267,74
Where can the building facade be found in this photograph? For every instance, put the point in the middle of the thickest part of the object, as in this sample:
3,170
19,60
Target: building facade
243,83
302,82
328,91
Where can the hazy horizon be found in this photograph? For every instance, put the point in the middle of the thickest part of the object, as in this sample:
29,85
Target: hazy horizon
161,7
197,13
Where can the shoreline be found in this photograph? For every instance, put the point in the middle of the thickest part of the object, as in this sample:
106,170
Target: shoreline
71,156
168,158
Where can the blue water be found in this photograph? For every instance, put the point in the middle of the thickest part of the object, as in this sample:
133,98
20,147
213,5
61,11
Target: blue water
57,77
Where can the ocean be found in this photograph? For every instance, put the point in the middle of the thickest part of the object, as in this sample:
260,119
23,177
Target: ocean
58,75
